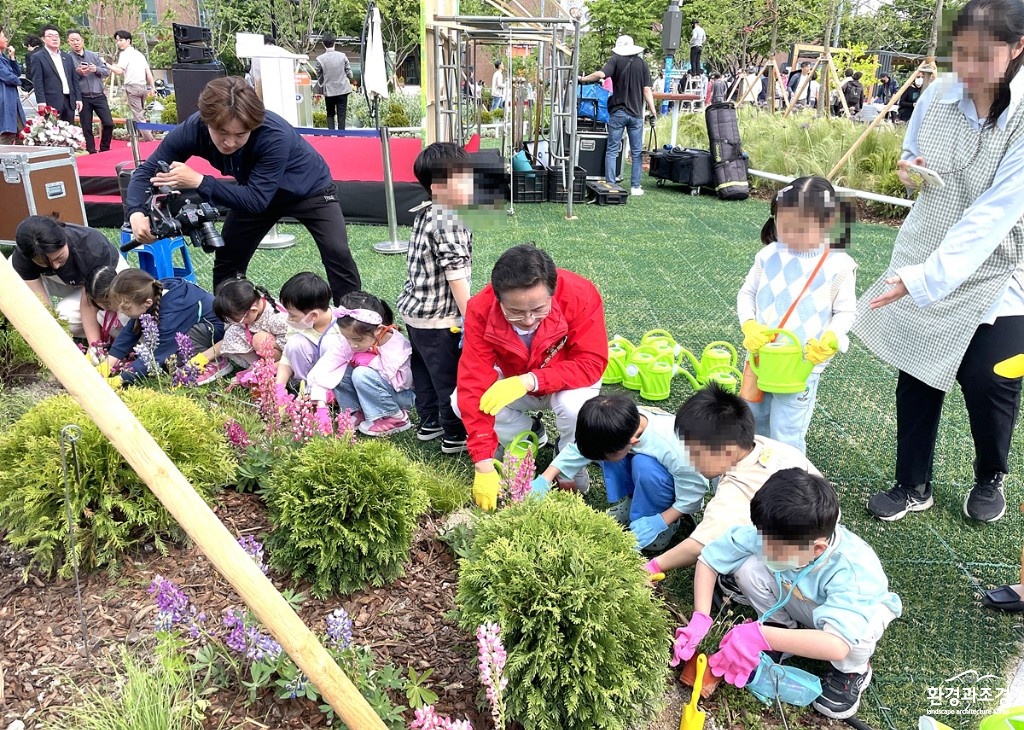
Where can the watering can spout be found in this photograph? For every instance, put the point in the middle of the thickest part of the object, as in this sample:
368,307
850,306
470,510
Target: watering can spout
694,363
692,380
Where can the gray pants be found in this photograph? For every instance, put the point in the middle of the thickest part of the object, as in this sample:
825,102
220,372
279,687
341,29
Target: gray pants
758,584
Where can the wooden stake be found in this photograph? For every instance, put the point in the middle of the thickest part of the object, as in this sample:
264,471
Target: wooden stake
878,119
42,332
804,83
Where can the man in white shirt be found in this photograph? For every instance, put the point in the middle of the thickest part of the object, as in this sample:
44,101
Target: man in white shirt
498,87
138,78
697,40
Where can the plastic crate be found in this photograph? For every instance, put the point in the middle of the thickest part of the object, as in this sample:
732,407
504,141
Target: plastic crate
530,186
557,179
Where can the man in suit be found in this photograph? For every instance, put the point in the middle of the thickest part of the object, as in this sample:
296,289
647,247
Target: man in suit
54,76
334,71
91,70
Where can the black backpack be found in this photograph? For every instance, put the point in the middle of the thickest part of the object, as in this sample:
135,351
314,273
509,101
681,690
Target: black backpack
853,91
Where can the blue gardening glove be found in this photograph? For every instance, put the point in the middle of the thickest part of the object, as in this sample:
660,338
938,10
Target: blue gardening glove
540,486
739,653
647,529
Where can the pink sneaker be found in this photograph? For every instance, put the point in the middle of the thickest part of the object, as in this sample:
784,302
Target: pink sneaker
216,368
387,425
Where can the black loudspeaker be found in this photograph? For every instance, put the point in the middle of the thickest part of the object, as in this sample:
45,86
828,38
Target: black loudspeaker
189,81
193,54
191,34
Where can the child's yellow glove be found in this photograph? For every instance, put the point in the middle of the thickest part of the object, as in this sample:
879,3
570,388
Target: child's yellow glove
754,335
103,369
818,351
485,490
115,382
200,361
502,393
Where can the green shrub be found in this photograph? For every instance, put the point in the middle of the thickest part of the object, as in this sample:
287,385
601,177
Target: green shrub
170,113
447,486
17,359
343,516
319,119
396,117
587,644
113,510
486,117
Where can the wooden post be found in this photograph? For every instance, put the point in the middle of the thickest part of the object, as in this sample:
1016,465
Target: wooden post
105,408
876,121
839,90
804,82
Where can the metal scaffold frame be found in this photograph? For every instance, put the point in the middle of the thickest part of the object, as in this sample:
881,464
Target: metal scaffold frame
455,39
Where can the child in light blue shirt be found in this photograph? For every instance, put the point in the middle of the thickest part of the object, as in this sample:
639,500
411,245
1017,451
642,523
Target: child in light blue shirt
648,477
819,591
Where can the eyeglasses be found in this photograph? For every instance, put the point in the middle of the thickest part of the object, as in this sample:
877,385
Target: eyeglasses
517,315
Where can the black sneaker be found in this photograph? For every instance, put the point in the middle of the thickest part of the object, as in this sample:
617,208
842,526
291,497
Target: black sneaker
985,502
453,445
840,693
429,430
902,498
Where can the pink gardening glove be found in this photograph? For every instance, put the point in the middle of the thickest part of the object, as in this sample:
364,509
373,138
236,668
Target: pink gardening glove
281,396
689,637
652,567
739,653
323,420
362,359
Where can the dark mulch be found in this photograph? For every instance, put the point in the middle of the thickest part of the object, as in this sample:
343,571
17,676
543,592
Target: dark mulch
41,642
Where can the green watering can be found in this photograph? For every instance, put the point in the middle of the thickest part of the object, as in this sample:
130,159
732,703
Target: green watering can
639,360
716,356
780,366
524,442
1011,719
619,350
660,340
656,377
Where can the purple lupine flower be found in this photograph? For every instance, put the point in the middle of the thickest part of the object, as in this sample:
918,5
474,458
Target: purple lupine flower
172,605
261,645
237,435
297,686
339,629
235,639
492,662
254,549
150,341
186,373
302,412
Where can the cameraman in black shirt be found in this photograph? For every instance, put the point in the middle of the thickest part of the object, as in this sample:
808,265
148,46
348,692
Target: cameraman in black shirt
279,174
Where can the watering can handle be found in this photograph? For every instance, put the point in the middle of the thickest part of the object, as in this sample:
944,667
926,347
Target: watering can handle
622,342
785,333
657,333
726,345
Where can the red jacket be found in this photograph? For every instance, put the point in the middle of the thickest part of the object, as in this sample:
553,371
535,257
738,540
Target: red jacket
570,350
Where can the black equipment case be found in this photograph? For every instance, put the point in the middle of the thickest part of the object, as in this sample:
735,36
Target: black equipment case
730,162
605,193
688,167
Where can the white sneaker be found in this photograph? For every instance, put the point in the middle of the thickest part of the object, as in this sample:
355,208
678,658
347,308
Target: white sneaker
637,191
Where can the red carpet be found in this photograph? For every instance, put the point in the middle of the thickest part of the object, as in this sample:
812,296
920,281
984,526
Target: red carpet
355,162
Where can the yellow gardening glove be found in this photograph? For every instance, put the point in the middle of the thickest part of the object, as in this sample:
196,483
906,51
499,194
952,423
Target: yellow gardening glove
501,394
485,490
1011,368
103,369
818,351
115,382
200,361
754,335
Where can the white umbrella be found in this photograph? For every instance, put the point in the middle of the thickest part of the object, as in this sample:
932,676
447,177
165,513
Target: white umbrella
375,74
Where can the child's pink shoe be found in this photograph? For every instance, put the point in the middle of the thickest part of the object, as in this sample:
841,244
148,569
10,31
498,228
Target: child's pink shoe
387,425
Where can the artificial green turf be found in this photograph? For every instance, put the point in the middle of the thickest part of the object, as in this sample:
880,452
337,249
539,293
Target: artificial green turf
669,260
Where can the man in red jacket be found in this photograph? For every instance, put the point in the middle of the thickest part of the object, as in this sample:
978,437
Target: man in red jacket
534,338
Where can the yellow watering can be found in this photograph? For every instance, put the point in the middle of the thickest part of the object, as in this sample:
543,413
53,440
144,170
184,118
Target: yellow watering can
619,350
715,356
639,360
780,366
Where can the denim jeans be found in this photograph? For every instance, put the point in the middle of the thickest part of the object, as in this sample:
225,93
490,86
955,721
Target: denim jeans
618,122
364,389
643,478
786,416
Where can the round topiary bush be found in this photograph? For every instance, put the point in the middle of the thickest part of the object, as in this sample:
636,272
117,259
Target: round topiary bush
588,645
112,508
343,516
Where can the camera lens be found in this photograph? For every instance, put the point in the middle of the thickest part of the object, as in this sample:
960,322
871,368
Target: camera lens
211,237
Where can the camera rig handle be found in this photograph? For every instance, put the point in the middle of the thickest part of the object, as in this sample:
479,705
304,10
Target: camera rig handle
162,166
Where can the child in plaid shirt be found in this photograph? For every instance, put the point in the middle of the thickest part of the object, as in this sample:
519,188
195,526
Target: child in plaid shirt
433,300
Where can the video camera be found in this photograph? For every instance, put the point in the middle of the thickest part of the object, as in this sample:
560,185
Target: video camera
172,214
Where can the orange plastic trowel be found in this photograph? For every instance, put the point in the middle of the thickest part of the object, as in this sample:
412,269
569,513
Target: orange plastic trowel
693,719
